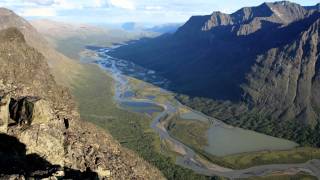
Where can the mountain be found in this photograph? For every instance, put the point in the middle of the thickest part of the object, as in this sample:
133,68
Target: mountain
71,38
264,56
60,64
315,7
157,29
247,20
132,26
164,28
284,81
42,135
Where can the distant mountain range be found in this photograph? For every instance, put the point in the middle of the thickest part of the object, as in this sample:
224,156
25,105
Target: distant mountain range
71,38
265,56
165,28
160,29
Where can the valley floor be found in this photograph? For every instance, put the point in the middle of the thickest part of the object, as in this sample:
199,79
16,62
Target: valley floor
94,90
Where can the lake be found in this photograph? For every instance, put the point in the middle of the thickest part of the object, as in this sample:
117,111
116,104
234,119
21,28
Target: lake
224,140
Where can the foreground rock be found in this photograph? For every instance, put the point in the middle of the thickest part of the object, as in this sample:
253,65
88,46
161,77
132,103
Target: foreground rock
42,135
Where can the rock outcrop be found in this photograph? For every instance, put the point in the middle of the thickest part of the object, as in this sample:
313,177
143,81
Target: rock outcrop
51,140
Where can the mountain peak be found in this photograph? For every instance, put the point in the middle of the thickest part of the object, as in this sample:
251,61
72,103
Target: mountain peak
217,19
281,3
287,11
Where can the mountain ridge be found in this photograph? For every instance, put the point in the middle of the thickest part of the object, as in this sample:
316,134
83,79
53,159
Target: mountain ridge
248,20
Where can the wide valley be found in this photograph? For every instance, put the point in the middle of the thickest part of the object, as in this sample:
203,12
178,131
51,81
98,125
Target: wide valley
143,91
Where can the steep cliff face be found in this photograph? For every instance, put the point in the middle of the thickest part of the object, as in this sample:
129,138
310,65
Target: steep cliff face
42,132
284,81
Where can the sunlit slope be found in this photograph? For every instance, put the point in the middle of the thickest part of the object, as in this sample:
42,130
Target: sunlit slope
71,38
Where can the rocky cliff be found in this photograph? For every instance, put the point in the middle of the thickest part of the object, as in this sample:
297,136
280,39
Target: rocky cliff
284,81
41,132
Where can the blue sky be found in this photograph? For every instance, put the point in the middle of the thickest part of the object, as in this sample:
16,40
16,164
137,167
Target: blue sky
118,11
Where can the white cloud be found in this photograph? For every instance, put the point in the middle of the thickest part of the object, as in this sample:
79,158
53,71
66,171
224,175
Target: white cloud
153,8
126,10
98,3
40,2
65,4
38,12
125,4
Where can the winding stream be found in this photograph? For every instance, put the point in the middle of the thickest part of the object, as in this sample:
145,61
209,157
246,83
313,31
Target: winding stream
121,69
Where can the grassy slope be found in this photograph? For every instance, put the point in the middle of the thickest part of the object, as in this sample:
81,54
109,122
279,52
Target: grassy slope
72,45
194,137
300,176
247,160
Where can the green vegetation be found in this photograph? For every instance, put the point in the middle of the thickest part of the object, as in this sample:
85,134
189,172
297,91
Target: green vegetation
72,46
240,116
247,160
143,89
300,176
194,137
181,130
93,91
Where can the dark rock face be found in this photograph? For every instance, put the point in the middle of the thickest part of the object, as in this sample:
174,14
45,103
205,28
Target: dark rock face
266,56
21,110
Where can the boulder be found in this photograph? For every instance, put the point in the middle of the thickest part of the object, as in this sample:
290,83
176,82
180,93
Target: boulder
30,110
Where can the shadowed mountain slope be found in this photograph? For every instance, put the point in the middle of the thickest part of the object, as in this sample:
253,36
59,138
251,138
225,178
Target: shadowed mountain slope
219,56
